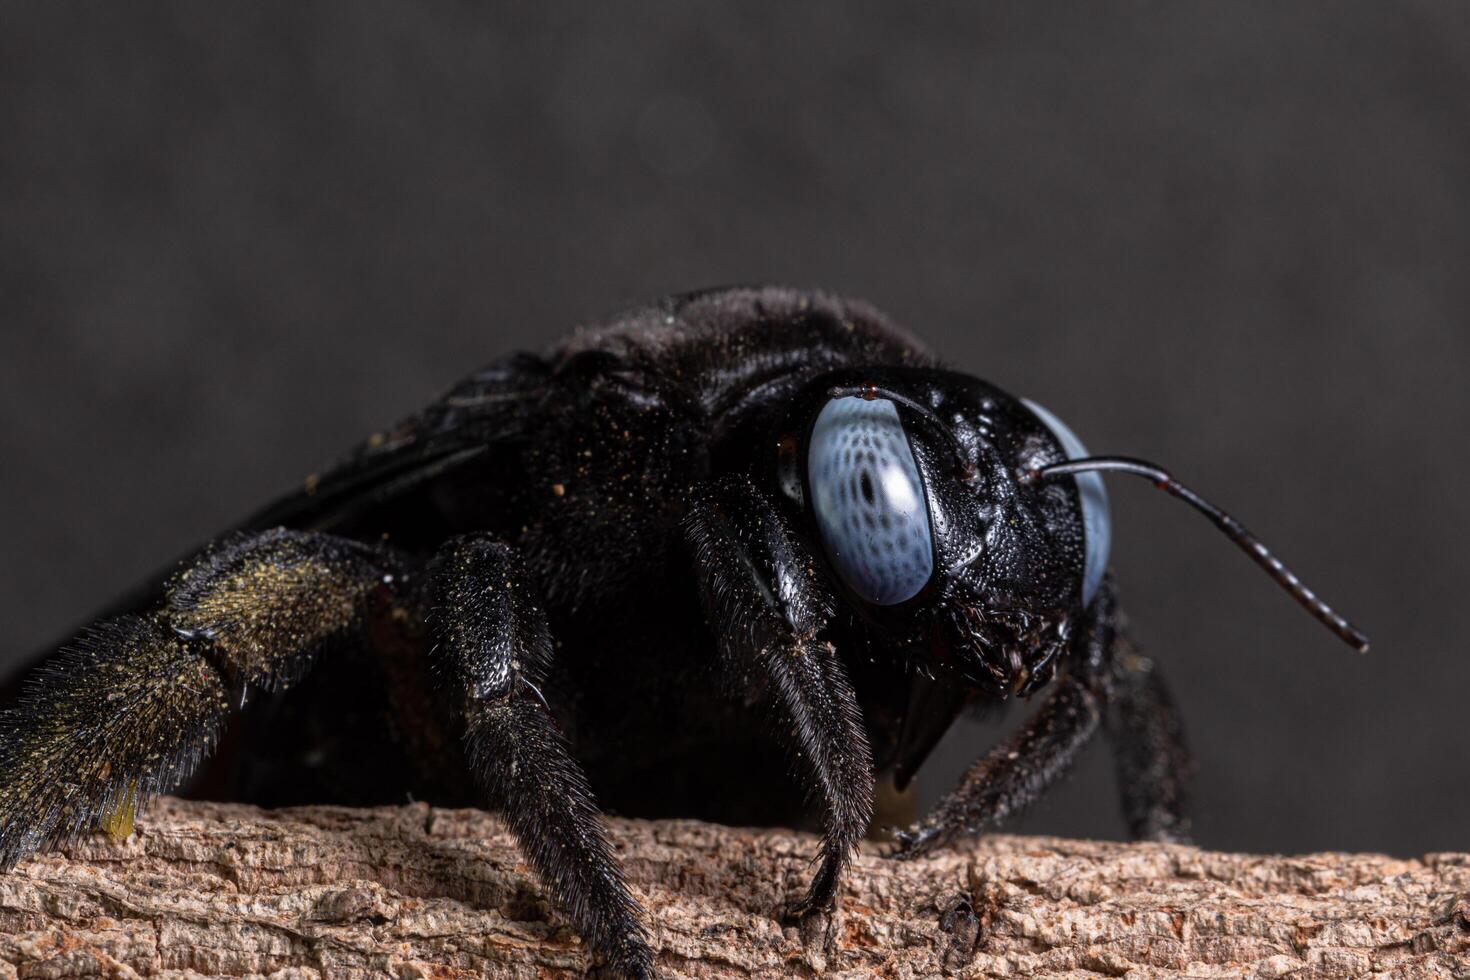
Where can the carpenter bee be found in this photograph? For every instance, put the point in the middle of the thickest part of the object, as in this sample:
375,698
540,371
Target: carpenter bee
623,570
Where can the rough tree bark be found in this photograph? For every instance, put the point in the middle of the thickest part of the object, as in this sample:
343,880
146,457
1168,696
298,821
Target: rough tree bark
413,891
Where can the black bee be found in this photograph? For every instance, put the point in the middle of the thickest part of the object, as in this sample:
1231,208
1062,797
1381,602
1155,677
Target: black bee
722,522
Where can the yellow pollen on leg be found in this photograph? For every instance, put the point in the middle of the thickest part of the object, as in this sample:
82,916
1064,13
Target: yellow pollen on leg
117,822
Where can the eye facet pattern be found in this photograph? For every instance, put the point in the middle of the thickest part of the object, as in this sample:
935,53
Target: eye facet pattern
1097,522
868,500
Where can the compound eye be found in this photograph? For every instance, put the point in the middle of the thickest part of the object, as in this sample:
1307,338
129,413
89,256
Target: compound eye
868,499
1097,524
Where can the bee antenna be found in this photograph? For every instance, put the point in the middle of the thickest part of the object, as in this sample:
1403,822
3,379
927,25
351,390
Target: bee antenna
1234,530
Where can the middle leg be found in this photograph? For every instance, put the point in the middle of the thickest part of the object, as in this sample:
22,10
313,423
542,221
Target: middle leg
493,642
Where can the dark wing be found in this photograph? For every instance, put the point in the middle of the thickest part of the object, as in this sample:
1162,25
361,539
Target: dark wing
386,471
378,474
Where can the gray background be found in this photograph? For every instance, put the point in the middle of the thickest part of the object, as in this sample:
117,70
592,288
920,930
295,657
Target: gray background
1230,237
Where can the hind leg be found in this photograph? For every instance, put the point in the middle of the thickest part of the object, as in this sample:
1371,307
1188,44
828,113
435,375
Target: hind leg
132,705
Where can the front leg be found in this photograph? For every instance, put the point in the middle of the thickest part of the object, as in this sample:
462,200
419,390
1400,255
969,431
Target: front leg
494,644
1011,776
1103,682
1151,756
768,608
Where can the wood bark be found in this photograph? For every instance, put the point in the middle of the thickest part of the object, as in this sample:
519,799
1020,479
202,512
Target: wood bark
414,891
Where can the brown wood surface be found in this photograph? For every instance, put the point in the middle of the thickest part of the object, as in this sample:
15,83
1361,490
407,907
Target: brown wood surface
227,890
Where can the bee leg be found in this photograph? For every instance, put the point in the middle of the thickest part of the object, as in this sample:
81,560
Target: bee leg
1012,775
493,641
766,605
1108,682
1153,763
130,707
125,711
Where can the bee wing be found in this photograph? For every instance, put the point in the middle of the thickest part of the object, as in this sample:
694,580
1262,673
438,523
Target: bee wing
383,472
486,409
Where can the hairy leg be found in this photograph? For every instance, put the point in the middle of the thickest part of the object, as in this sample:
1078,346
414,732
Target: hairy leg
1108,683
1153,763
1012,775
131,706
767,607
493,643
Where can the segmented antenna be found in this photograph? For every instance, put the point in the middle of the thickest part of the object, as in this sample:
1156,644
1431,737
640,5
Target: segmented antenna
1233,529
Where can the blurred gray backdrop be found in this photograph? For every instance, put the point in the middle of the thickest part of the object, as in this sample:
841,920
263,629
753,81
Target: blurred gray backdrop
1234,238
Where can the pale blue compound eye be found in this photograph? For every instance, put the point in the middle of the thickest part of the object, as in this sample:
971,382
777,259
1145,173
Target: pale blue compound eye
868,499
1097,524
